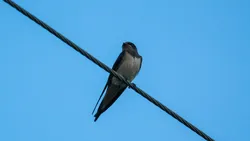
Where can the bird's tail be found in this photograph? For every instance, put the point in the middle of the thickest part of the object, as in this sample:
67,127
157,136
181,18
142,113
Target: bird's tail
97,115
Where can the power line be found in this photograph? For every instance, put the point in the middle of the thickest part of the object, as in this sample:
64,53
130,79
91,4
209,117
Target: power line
106,68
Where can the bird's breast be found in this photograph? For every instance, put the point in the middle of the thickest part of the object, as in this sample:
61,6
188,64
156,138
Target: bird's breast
129,68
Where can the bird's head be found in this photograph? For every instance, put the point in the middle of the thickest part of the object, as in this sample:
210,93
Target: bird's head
129,46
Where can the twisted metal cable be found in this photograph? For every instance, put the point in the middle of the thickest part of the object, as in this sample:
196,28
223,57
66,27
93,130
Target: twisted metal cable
106,68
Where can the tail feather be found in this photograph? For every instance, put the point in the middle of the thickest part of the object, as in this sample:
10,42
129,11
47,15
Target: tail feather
112,94
99,98
97,115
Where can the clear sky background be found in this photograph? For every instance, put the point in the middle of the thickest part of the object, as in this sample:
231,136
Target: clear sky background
196,61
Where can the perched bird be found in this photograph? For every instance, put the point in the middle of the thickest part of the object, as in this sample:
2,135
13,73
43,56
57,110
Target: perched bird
128,64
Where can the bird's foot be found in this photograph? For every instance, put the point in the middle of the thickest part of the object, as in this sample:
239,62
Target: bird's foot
133,84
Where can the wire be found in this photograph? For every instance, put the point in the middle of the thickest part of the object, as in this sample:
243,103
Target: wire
106,68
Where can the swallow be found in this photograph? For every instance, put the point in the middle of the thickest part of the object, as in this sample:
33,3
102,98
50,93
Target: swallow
128,64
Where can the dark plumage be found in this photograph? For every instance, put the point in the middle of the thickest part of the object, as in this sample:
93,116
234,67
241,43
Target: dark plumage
128,64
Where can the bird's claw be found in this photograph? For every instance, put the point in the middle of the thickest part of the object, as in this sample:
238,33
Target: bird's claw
133,84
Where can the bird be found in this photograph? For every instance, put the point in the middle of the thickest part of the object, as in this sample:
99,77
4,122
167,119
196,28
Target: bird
128,64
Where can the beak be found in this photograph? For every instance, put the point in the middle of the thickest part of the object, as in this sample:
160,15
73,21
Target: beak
124,44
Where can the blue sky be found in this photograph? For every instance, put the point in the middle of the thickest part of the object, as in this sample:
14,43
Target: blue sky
195,61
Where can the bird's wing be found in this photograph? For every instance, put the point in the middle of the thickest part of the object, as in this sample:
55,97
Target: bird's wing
140,64
112,94
116,65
